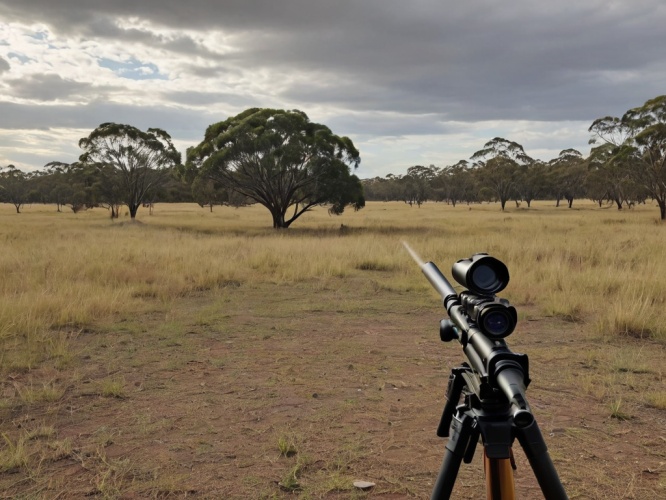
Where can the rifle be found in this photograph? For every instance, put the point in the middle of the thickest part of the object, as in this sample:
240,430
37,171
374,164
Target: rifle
492,383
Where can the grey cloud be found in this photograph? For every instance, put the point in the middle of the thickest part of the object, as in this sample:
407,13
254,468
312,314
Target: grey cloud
35,160
209,98
374,124
186,45
181,123
482,46
239,14
477,98
48,87
4,65
204,71
106,28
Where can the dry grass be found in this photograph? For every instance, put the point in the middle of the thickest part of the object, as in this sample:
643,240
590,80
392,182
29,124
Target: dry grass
13,454
63,272
69,276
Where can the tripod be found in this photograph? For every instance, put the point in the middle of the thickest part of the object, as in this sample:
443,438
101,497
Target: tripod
487,413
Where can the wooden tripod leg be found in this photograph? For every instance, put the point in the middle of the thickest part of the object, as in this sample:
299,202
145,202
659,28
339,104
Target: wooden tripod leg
499,478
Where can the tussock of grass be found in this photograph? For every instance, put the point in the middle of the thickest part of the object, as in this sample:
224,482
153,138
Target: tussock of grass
373,265
45,431
44,393
60,449
13,454
630,361
290,481
113,388
635,316
287,445
111,476
617,410
656,399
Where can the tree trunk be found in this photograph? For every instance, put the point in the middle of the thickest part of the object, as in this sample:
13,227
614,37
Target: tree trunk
133,208
278,220
570,202
18,208
502,203
662,209
618,202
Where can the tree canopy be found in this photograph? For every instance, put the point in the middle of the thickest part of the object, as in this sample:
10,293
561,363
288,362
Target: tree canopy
14,187
281,160
135,162
499,161
638,141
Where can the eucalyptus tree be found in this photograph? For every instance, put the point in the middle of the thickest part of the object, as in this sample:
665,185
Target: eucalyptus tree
72,185
568,174
381,188
374,189
638,141
409,190
533,181
208,193
417,184
498,167
57,186
596,188
174,190
281,160
107,188
608,176
458,183
84,185
133,161
14,186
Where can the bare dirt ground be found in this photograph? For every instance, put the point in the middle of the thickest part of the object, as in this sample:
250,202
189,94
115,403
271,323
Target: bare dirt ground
274,391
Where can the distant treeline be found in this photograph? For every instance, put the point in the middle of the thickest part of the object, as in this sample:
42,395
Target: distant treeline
78,187
288,164
515,177
626,165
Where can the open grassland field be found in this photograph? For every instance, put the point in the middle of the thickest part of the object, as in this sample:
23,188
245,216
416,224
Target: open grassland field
206,355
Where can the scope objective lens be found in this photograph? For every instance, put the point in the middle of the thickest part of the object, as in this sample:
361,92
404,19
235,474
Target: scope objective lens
484,277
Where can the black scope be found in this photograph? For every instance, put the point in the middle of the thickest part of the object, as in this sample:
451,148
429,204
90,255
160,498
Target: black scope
481,274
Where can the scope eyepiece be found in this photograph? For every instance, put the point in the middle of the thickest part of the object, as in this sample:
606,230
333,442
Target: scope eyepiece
495,317
481,274
497,321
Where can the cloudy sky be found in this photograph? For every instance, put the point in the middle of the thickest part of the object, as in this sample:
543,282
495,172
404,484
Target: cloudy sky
411,81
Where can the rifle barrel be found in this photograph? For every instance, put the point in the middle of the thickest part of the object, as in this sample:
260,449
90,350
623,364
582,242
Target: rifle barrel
438,281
